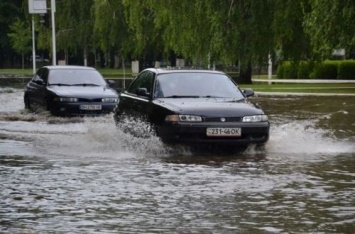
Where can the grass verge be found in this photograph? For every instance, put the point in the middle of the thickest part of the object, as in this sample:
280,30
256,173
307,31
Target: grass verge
257,87
106,72
302,88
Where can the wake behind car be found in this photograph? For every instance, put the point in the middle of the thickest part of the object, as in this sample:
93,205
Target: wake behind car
70,91
193,107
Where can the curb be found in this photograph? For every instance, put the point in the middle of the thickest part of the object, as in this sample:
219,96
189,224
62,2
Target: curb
300,81
304,94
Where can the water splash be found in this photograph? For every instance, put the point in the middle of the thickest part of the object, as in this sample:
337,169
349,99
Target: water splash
303,137
99,136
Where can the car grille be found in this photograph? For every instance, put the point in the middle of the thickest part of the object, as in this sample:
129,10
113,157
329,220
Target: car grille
90,100
219,119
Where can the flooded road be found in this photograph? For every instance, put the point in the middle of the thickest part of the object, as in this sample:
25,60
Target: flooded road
82,175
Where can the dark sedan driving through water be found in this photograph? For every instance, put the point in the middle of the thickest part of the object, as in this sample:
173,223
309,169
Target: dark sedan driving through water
193,107
70,91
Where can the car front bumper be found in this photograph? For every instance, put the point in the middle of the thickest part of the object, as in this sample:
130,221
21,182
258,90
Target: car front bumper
76,109
186,133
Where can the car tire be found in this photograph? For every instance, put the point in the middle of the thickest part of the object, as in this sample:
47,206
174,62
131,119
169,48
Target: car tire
47,107
140,130
27,103
120,121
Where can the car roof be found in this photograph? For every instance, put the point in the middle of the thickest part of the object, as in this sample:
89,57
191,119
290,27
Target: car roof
176,70
71,67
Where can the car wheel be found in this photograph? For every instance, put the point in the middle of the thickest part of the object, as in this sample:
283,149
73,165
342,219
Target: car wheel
121,123
27,103
134,127
156,130
48,107
45,105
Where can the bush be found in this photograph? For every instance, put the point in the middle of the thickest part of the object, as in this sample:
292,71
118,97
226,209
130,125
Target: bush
291,70
294,70
334,69
304,70
287,70
346,70
281,71
325,70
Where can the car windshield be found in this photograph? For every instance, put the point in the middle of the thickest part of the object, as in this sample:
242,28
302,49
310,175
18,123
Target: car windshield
75,77
196,84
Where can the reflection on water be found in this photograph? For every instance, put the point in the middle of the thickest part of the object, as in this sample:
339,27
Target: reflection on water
83,175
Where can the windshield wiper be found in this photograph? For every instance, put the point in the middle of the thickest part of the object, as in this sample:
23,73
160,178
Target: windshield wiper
182,96
59,84
85,84
238,100
211,96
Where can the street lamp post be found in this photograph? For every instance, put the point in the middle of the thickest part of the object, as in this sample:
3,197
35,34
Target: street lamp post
54,57
35,7
33,46
40,7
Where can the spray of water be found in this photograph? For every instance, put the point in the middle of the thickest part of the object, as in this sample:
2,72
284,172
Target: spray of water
305,138
89,137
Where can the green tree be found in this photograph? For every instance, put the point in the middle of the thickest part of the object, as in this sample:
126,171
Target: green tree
145,37
9,10
228,31
20,37
111,30
330,25
75,24
290,40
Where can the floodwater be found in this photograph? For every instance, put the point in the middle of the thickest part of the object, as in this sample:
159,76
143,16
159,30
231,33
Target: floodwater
82,175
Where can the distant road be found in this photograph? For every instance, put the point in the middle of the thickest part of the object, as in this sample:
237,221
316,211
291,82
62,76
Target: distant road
308,81
257,93
304,81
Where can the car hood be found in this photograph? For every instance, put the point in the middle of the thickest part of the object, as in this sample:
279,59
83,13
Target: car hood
83,91
220,107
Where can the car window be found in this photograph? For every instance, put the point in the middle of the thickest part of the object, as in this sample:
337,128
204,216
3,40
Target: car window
143,80
196,84
36,77
76,77
44,75
39,75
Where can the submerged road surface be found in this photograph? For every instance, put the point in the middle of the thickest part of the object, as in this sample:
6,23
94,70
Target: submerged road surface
82,175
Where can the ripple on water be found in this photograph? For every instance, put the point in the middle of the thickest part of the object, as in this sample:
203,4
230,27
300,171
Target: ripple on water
86,176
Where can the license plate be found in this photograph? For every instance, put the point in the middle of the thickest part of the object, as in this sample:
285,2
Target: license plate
90,107
223,132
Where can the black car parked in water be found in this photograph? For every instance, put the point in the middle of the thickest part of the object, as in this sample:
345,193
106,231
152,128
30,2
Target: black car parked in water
196,107
70,91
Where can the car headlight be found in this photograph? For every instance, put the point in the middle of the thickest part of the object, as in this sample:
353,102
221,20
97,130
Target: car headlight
255,118
109,100
66,99
183,118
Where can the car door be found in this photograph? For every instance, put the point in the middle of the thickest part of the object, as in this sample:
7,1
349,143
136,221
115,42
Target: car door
41,86
34,87
136,100
42,89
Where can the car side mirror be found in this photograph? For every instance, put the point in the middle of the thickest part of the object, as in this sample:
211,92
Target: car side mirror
248,92
111,83
142,92
39,82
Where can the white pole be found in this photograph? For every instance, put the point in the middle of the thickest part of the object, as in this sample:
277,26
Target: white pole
270,69
124,73
54,56
33,46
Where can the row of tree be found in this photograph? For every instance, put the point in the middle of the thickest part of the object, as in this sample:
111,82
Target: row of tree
204,32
